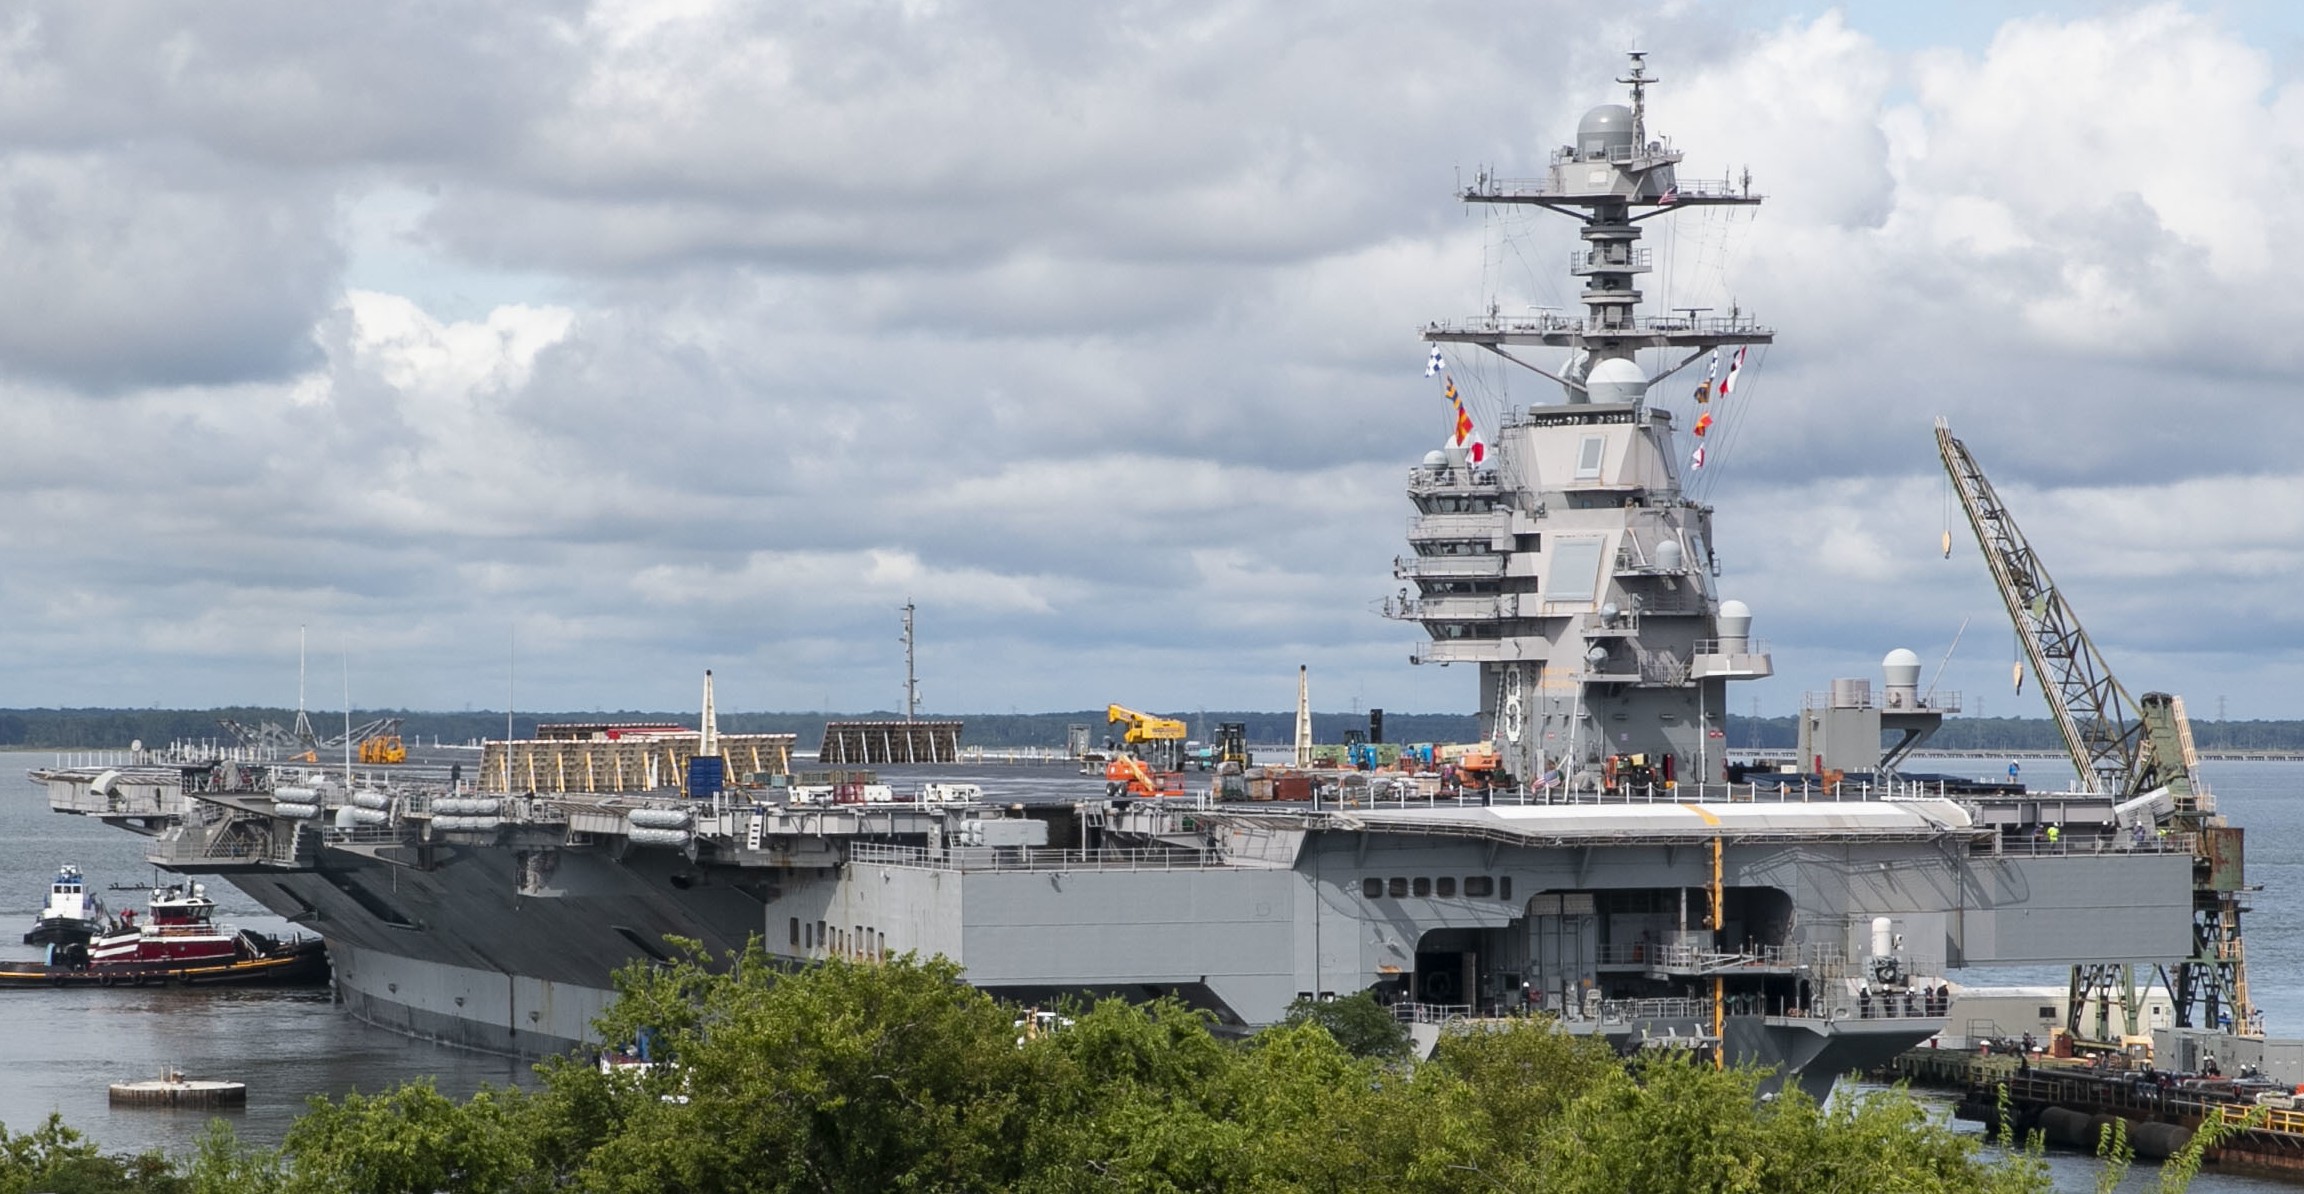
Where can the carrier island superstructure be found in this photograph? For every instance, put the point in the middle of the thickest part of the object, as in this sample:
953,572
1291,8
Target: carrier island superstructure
1795,921
1569,568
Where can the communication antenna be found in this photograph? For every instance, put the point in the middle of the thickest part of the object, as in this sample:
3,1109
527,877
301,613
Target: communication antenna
305,737
347,658
911,677
511,692
1938,678
1637,75
1303,716
708,730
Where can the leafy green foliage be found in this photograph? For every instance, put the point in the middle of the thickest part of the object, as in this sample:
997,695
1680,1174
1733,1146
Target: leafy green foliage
56,1158
408,1138
899,1076
850,1076
2177,1174
2113,1149
1363,1026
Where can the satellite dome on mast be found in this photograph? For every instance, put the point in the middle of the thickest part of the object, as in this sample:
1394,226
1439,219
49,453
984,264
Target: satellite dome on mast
1606,131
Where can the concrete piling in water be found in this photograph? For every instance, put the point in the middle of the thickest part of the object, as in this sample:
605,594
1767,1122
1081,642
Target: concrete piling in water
173,1089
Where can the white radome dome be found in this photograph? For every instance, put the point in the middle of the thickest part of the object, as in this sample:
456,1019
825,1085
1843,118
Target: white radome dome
1615,379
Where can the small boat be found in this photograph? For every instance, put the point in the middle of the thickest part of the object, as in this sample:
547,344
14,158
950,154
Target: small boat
178,941
71,916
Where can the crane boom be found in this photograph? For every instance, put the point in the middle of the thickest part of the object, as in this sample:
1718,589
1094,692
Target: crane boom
2102,727
1144,727
1161,739
2124,749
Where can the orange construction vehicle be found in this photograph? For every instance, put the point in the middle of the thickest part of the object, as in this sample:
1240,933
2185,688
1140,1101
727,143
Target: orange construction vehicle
1476,769
1128,775
383,748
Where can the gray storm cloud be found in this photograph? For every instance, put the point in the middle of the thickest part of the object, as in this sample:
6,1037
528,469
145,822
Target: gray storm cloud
661,336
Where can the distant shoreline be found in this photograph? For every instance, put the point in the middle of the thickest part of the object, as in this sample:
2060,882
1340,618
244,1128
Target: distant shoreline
1960,737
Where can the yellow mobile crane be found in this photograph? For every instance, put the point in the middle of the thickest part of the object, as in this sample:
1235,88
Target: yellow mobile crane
1158,740
2128,749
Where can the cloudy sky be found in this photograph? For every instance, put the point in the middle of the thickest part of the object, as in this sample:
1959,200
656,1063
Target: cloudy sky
564,350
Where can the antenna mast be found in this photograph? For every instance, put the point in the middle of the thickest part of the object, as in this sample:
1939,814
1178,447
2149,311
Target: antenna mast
911,678
1303,716
708,744
1637,75
306,736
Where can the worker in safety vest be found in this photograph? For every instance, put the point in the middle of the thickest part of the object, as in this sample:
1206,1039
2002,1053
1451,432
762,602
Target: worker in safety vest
2055,833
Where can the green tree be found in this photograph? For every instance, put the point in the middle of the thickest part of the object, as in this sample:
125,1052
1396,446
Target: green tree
407,1139
844,1076
55,1158
221,1164
1517,1080
1363,1026
1675,1124
848,1076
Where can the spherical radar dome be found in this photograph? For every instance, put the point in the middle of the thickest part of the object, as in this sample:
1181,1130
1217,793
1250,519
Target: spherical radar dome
1604,130
1616,380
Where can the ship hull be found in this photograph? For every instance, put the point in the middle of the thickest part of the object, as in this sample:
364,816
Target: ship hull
509,940
477,949
60,930
478,952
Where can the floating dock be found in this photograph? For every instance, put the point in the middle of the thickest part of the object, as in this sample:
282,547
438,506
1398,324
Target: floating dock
2071,1105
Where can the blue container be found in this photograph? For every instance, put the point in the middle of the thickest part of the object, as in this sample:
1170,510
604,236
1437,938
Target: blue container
707,774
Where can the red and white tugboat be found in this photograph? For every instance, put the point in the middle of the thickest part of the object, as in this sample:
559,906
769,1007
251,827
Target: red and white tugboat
70,916
177,941
181,930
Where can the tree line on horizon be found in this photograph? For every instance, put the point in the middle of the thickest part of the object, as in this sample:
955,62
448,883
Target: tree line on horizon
116,729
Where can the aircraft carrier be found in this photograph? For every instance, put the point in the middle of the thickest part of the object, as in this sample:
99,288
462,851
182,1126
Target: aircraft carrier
1604,863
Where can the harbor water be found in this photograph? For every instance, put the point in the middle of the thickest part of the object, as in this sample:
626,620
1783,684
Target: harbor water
68,1045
